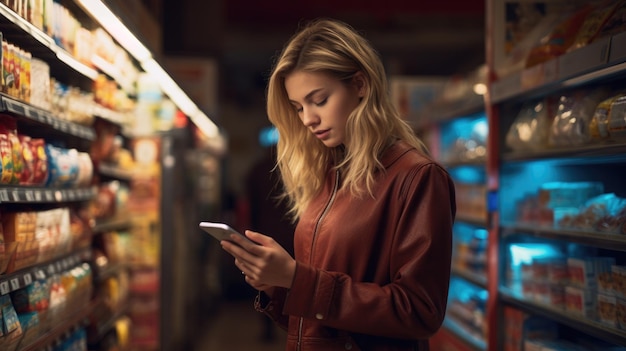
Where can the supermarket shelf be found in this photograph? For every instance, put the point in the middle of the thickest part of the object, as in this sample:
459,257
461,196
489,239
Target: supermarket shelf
23,278
33,195
587,326
61,329
30,113
45,43
119,222
595,239
115,172
601,60
472,277
112,270
472,341
127,83
604,150
445,112
93,337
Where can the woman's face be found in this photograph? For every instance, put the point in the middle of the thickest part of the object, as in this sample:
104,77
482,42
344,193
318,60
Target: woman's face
324,103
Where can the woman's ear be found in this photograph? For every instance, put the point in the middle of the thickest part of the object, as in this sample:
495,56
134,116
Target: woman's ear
360,83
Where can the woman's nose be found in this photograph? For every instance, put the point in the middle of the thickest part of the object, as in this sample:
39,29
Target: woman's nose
309,117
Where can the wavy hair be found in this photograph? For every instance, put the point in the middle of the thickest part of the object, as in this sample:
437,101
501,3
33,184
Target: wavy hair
333,47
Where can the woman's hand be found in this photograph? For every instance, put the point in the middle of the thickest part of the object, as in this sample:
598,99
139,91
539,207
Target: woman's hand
265,265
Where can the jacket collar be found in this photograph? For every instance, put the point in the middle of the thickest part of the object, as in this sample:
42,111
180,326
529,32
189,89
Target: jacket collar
394,152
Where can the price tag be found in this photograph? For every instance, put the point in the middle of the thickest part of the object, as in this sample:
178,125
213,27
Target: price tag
15,284
49,195
35,115
59,267
4,288
4,195
58,195
38,196
40,274
71,194
28,279
30,196
16,195
51,269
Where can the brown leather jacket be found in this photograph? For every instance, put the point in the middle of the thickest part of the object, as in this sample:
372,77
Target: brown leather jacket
372,273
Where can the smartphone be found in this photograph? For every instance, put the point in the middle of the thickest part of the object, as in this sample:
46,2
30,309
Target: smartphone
221,231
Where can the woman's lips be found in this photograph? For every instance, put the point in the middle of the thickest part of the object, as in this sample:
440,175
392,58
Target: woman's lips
322,134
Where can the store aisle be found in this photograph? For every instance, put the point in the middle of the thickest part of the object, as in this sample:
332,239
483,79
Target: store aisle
237,327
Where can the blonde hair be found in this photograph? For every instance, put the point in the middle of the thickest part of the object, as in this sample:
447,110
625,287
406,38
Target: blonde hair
335,48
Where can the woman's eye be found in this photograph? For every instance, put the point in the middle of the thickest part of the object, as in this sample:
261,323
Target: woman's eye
321,103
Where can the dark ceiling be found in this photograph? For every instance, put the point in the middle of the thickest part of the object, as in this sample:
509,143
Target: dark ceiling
420,37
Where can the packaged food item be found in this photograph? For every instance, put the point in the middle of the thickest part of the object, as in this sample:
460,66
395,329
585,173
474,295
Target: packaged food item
580,301
593,23
618,279
63,166
598,126
11,327
6,156
568,194
616,23
560,39
85,169
570,126
620,313
19,228
32,298
616,121
16,148
40,168
30,324
518,55
40,84
28,158
583,272
530,129
607,309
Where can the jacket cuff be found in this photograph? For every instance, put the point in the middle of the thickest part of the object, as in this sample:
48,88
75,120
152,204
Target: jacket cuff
265,304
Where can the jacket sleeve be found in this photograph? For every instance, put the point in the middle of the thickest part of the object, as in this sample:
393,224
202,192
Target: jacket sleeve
272,306
413,304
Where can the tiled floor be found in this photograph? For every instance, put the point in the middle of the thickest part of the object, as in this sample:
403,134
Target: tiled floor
238,327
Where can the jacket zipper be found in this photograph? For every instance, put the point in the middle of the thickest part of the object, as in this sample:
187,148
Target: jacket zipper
330,202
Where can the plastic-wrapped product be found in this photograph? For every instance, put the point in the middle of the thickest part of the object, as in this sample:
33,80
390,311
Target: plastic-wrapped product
616,121
570,126
530,128
561,38
616,23
599,125
593,23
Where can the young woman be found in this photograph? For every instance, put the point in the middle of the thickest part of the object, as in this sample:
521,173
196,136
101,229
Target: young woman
374,213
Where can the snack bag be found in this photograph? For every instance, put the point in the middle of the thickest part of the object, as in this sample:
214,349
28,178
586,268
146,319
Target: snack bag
616,23
574,113
28,158
560,39
6,156
599,125
40,164
16,149
593,23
